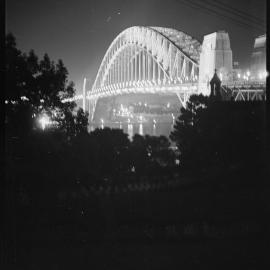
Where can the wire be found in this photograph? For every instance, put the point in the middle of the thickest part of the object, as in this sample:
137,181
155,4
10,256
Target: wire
235,10
245,16
219,14
244,21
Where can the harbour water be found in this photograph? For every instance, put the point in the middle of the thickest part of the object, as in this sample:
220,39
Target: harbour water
152,129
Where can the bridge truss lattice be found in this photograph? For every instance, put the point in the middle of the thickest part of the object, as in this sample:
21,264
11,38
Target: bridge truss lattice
148,60
155,60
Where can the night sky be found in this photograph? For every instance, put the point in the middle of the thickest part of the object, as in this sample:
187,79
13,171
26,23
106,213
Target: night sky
79,32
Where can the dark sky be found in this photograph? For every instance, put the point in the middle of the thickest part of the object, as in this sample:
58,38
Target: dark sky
80,31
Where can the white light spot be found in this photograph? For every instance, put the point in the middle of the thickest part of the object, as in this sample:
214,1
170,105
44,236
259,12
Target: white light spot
24,98
44,121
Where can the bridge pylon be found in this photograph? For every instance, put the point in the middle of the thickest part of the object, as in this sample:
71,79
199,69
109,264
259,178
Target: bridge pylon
216,54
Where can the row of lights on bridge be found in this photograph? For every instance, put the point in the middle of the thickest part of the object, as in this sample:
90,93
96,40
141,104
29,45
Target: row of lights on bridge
247,75
142,83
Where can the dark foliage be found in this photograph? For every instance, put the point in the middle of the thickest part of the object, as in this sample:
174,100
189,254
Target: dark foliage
70,188
221,136
150,154
36,87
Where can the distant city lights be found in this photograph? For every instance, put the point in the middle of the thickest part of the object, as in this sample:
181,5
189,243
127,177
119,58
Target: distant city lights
250,76
263,75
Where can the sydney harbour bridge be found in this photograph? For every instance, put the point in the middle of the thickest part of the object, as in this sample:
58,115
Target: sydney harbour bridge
157,61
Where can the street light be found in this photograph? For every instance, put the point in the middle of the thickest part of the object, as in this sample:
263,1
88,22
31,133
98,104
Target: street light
44,121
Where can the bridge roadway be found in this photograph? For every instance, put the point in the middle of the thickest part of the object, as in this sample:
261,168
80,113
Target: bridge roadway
237,90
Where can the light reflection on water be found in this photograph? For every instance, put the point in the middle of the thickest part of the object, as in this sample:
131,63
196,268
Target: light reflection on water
130,131
153,129
141,129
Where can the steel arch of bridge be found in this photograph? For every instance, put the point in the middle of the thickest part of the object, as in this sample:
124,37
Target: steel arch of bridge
148,60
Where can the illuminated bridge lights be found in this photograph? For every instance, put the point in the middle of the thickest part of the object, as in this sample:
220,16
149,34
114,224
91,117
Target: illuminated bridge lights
145,89
155,60
142,57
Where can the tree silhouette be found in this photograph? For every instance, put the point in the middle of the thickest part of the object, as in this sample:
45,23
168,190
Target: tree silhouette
219,136
72,123
111,151
186,133
149,154
33,87
139,154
